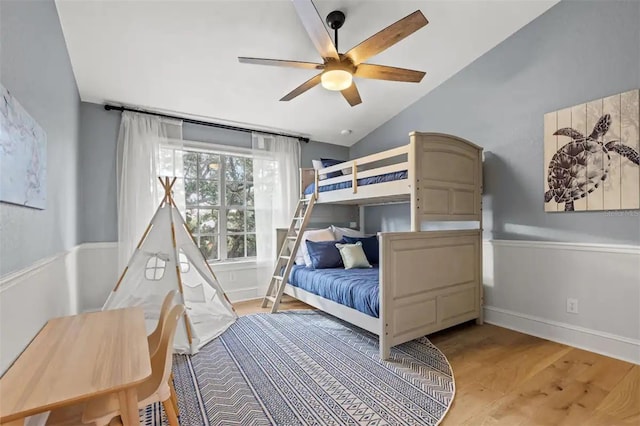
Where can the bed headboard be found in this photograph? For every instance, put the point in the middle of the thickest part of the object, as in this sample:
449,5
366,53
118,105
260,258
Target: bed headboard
307,177
447,182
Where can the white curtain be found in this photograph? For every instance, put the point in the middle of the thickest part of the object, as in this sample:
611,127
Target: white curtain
276,179
144,143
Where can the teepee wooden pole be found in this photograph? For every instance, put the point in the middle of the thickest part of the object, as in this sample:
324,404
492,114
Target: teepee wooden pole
178,273
124,272
144,236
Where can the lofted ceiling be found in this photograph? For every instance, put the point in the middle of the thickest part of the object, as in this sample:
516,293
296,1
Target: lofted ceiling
181,56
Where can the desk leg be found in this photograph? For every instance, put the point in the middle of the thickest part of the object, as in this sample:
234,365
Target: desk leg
129,407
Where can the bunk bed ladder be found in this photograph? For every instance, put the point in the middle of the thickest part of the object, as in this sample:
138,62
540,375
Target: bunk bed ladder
287,254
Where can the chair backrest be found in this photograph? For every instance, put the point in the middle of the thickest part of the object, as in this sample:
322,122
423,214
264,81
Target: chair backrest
162,359
156,335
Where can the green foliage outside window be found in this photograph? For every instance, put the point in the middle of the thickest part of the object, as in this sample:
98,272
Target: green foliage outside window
219,204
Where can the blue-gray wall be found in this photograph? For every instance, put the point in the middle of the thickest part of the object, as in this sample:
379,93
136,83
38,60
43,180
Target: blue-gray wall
97,170
35,68
575,52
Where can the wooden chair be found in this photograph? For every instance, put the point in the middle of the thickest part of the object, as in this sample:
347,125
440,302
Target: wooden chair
156,335
102,410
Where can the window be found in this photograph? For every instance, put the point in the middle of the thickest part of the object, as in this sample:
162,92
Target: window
154,271
219,204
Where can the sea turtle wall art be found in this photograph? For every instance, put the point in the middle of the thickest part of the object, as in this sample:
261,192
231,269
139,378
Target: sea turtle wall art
591,155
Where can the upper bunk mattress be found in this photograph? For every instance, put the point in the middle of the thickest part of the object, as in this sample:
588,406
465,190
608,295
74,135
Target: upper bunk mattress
372,180
355,288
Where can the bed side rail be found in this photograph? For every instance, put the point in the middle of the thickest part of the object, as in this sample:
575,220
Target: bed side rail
351,171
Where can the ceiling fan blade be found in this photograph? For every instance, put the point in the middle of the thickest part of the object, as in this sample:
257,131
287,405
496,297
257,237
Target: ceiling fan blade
318,33
314,81
280,63
387,37
383,72
352,95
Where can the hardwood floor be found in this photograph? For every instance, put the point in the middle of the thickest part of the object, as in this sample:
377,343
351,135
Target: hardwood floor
508,378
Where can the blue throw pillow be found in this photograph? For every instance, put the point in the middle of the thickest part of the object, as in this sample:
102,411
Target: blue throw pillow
369,245
328,162
324,254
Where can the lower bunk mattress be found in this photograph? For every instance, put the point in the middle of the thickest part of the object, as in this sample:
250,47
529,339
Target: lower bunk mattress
355,288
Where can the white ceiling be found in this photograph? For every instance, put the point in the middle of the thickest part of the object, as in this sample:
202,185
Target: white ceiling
181,56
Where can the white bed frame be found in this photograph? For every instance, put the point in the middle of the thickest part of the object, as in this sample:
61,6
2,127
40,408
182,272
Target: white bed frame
429,280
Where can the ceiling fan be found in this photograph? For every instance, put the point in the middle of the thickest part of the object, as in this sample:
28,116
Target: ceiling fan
338,69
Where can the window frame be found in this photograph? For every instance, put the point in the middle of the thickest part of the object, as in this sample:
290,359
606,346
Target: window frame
222,233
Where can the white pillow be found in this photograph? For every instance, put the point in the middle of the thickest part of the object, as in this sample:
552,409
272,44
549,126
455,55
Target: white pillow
317,165
353,256
348,232
302,257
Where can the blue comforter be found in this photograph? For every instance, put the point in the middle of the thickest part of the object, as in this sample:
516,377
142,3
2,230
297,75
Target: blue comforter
388,177
355,288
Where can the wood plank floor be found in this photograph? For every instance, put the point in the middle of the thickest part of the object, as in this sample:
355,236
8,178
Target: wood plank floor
508,378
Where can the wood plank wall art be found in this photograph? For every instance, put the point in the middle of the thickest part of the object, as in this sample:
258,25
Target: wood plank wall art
591,155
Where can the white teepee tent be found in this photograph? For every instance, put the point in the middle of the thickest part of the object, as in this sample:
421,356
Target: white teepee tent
167,258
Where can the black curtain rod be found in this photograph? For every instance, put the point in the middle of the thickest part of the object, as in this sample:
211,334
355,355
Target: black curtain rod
202,123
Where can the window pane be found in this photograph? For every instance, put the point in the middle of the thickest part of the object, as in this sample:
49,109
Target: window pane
234,169
208,193
190,164
190,191
208,221
235,246
209,247
251,245
251,220
249,169
234,194
191,218
235,220
209,166
249,194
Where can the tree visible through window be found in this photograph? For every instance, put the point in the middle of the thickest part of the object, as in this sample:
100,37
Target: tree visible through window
219,204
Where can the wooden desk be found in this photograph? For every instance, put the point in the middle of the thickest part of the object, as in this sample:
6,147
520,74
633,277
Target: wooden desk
76,358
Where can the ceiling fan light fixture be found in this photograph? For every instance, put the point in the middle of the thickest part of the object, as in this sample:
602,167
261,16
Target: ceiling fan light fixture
336,79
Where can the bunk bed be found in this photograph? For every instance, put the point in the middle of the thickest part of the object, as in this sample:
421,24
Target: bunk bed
426,280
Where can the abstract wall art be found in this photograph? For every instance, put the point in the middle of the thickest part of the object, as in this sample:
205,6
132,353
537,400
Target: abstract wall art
591,159
23,155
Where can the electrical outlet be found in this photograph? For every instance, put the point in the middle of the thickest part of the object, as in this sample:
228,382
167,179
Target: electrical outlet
353,224
232,277
572,305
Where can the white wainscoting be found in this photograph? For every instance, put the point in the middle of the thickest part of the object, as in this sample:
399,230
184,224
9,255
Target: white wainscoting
98,273
79,281
30,297
526,287
527,284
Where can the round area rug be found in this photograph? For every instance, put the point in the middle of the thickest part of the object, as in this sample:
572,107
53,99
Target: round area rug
308,368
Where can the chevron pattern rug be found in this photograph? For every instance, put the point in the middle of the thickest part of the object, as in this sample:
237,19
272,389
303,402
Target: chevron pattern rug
308,368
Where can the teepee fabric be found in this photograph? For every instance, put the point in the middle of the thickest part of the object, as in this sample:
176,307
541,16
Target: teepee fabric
158,266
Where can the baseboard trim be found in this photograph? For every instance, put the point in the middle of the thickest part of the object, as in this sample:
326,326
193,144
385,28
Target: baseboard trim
242,294
608,344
